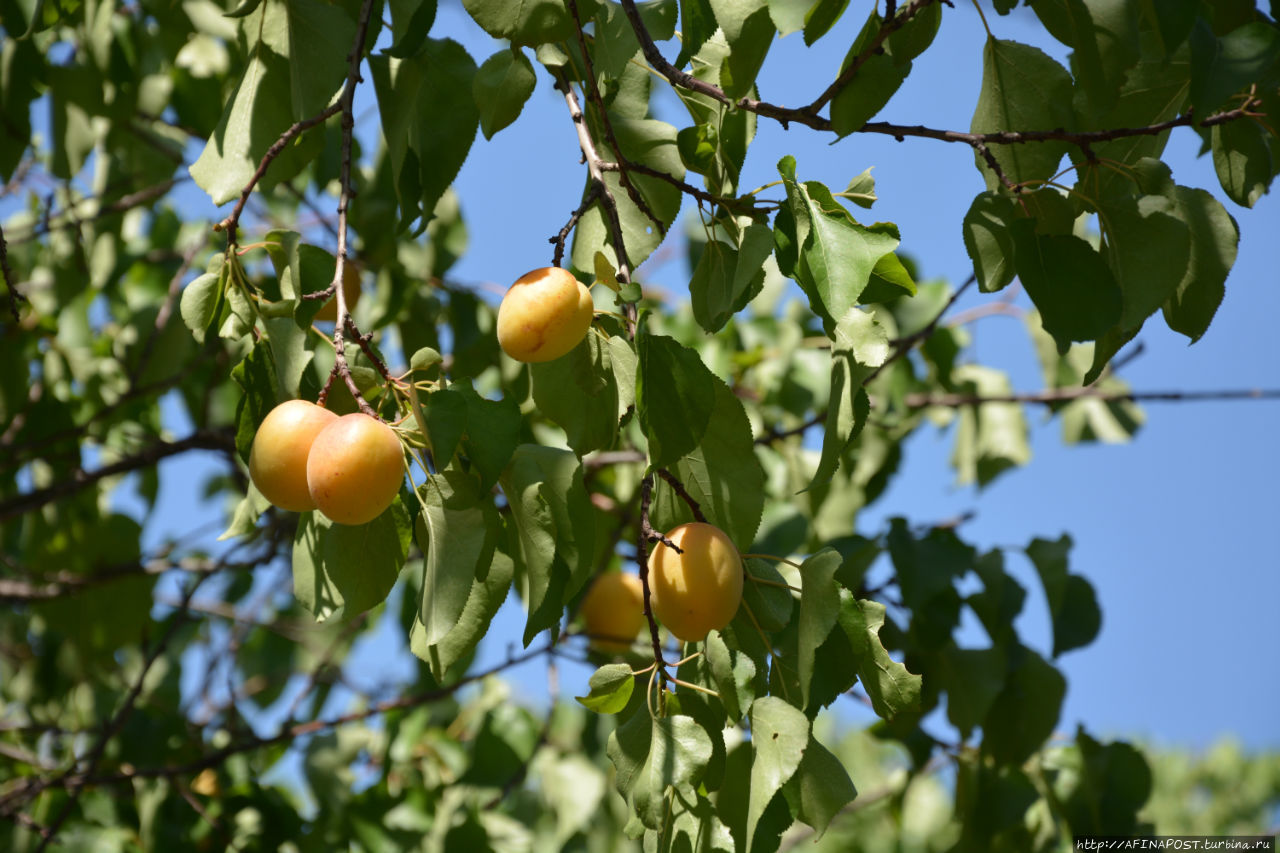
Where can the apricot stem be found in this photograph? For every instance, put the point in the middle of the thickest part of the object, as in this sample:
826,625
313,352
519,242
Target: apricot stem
767,582
786,694
769,557
697,687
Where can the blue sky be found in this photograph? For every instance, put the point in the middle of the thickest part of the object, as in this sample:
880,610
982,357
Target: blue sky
1175,530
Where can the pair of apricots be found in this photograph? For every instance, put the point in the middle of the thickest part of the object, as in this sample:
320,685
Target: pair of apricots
305,457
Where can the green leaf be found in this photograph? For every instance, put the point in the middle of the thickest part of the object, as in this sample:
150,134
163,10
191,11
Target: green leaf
493,429
1148,248
444,415
749,31
722,473
320,38
411,20
654,754
1073,607
734,675
991,437
530,22
200,301
1172,20
779,734
1026,711
697,25
821,17
726,279
973,678
579,393
1214,238
788,15
274,91
615,41
339,570
611,686
1022,88
988,240
877,80
501,87
820,787
1242,159
891,687
1105,38
860,346
770,601
289,352
429,120
485,598
819,609
256,376
1222,66
820,244
861,190
890,280
552,516
653,144
1069,282
1100,787
457,532
672,378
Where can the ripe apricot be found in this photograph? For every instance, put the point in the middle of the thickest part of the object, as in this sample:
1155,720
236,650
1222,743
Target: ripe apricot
546,313
700,589
328,312
278,460
355,469
613,610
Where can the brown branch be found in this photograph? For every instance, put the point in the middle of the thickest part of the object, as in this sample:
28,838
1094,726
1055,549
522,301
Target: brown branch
642,562
145,458
1059,395
15,295
232,222
607,201
804,115
346,104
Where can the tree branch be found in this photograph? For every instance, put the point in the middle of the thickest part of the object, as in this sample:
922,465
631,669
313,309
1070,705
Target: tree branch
148,456
595,169
1059,395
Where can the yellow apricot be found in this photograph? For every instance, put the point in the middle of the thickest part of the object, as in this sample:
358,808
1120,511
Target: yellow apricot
355,469
546,313
278,460
328,312
613,610
700,589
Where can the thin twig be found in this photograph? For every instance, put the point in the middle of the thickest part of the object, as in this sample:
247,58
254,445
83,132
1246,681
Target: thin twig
68,218
346,104
232,222
561,237
674,483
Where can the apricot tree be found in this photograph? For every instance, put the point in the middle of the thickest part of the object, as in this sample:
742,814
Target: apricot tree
168,691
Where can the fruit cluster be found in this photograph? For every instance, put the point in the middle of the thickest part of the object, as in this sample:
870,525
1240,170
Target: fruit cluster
306,457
